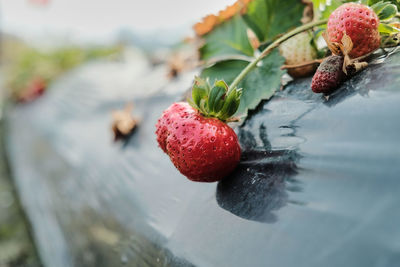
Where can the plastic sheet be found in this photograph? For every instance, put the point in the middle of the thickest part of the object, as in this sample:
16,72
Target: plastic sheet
318,183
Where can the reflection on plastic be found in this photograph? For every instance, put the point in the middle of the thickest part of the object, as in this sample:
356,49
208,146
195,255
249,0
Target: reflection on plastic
258,188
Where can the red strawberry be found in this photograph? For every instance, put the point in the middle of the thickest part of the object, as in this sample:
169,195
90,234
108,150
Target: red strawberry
172,114
360,23
200,145
329,75
35,89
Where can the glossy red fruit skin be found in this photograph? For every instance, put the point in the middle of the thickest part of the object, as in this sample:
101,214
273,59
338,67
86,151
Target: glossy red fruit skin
203,149
329,75
360,23
170,116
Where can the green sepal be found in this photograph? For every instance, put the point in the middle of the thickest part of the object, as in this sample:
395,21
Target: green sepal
200,90
217,95
214,101
231,104
198,94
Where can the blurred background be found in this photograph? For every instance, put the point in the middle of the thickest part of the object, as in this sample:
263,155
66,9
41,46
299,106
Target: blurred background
57,35
44,40
81,186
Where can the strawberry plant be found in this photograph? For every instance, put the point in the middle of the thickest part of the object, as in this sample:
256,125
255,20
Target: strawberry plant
230,57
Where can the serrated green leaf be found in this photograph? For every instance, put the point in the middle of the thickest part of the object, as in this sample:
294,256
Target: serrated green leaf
268,18
379,6
229,38
395,2
388,12
324,8
261,83
226,70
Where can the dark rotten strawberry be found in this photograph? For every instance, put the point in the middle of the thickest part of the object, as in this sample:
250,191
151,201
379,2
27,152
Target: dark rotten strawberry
329,75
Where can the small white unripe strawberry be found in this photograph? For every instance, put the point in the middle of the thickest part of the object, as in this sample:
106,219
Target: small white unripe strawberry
298,50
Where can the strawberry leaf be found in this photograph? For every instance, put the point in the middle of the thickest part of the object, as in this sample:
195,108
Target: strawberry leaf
384,10
228,38
324,8
260,84
373,2
387,29
268,18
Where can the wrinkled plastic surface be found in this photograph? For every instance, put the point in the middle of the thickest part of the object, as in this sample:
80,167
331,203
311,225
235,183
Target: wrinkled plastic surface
318,183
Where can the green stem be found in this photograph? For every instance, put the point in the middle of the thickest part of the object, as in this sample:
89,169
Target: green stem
275,44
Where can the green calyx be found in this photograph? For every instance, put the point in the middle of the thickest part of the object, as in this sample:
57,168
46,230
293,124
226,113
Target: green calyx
216,101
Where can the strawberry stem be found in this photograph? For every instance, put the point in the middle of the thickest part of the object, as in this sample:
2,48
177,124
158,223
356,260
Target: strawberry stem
271,47
307,63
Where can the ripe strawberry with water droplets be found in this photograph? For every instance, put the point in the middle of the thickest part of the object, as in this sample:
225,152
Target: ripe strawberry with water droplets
196,137
360,23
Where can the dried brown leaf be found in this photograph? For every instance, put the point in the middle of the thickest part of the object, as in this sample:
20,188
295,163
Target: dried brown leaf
211,21
333,46
123,122
255,43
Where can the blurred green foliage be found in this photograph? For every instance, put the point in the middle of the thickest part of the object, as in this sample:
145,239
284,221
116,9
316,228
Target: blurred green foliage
26,64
